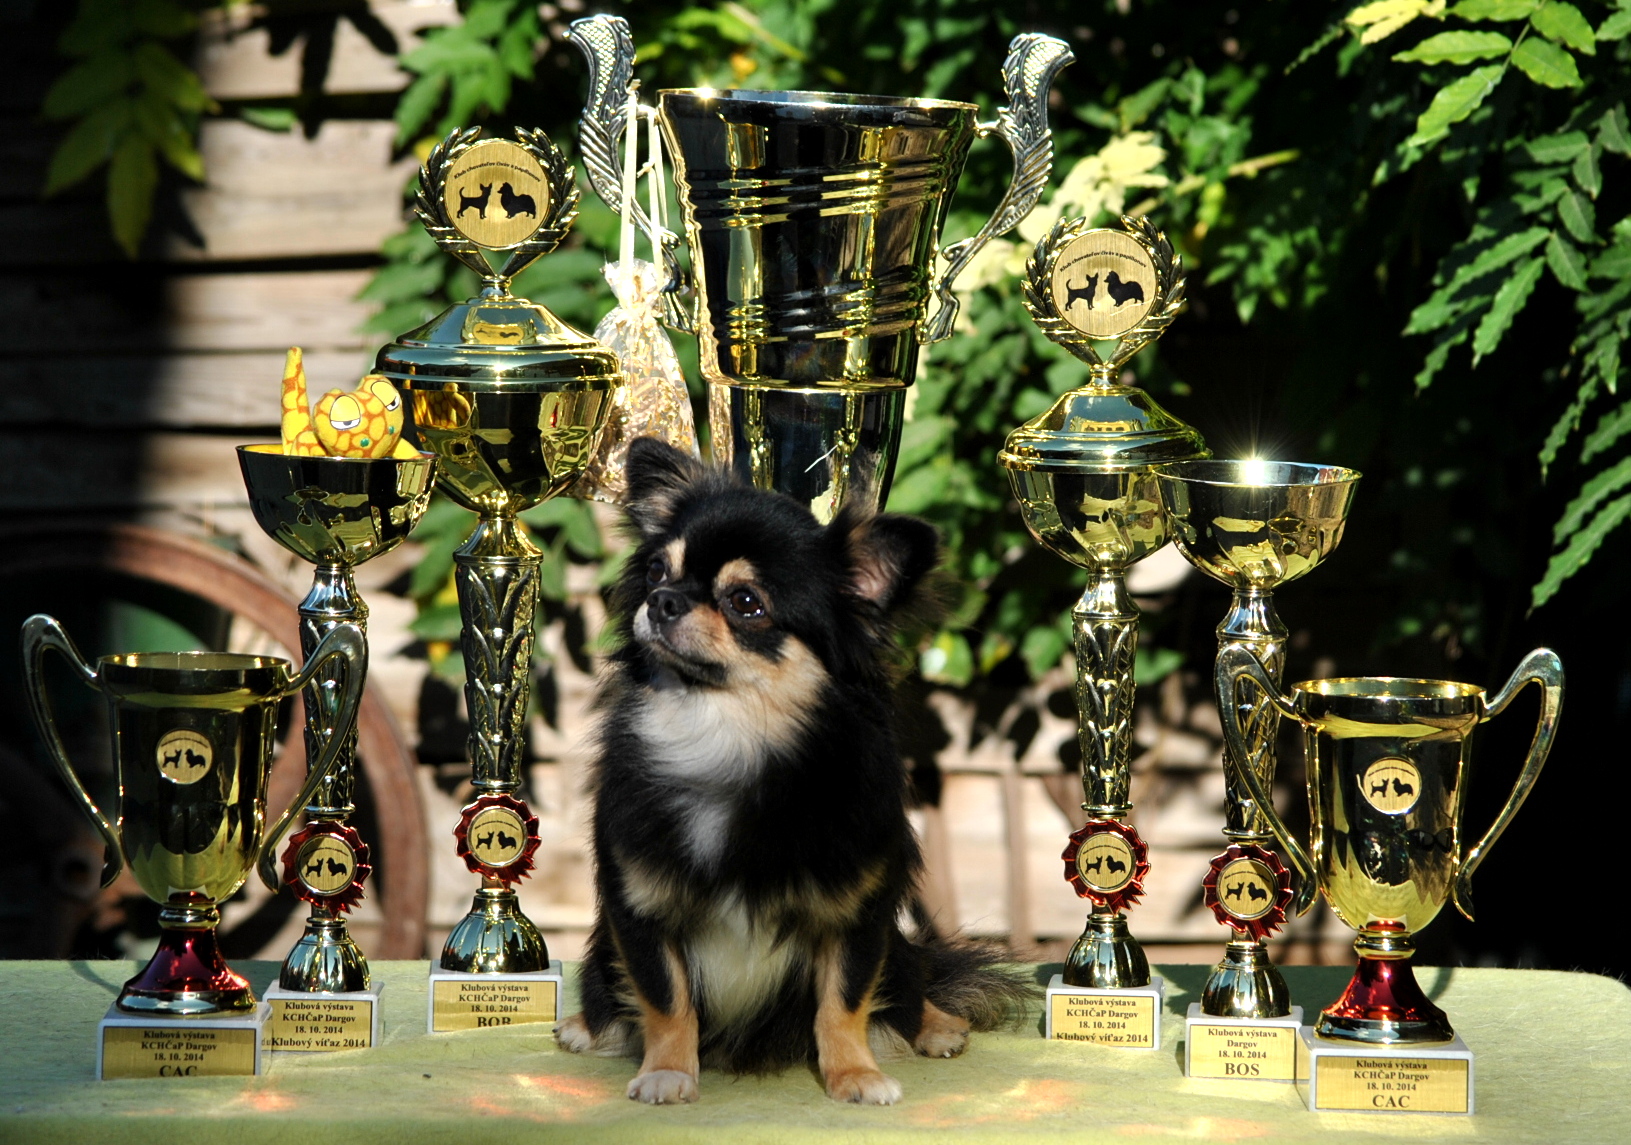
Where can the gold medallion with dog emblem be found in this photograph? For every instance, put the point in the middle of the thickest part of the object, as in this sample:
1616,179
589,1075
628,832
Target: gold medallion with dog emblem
1391,785
1247,889
495,194
184,756
1105,862
325,864
497,836
1104,283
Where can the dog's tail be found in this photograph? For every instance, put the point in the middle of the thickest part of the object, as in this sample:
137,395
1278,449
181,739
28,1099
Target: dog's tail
977,982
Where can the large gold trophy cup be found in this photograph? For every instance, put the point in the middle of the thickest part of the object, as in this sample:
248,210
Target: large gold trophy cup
193,738
1082,474
814,222
511,400
1388,774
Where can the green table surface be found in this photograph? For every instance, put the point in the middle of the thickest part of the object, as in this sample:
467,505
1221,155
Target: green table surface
1553,1065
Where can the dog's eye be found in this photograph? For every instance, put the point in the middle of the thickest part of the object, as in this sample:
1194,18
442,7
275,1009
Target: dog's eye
746,603
657,571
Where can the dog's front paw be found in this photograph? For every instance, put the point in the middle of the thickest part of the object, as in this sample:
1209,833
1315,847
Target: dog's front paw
573,1034
863,1087
665,1087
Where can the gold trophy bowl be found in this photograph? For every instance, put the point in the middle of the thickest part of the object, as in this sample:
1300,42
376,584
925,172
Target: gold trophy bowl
511,400
1254,525
335,512
193,739
1388,771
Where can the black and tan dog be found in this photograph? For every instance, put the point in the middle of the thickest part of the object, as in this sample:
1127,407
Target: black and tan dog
752,850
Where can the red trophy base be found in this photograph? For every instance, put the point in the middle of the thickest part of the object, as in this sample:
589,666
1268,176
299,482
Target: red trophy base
1384,1004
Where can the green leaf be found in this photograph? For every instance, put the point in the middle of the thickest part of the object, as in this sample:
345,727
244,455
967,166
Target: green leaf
87,145
418,104
949,660
1578,216
1609,429
1546,63
1493,9
161,18
132,176
1439,355
1563,22
1559,148
1451,299
1587,174
1042,648
171,78
1565,425
1152,665
1454,103
552,573
1457,48
1509,300
1567,263
89,84
923,439
1615,27
1615,262
1592,494
162,125
574,518
438,622
1612,132
1581,546
269,118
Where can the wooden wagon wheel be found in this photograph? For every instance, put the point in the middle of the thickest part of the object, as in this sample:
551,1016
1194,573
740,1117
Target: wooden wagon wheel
238,587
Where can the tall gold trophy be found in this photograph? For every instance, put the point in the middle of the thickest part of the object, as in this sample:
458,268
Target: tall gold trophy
1388,771
813,222
335,512
1254,525
1082,474
511,400
193,734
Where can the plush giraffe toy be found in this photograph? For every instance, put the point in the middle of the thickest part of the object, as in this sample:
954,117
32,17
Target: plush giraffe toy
367,422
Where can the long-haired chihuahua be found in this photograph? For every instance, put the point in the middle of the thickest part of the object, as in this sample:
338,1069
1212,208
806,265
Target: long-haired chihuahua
753,855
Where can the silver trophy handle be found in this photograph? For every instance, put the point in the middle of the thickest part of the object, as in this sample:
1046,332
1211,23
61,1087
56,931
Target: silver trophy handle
609,49
1027,77
41,632
1542,667
1236,663
346,642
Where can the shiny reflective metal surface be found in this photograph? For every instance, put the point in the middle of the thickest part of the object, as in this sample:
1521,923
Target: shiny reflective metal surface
1253,525
193,739
1388,776
336,512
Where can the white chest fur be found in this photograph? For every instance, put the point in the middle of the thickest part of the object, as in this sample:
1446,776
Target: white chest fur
736,966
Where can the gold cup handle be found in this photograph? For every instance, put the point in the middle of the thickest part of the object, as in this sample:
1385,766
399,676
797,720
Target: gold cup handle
1234,664
348,643
1027,77
40,633
1542,667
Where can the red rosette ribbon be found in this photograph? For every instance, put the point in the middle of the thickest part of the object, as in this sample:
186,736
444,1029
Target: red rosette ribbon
1106,862
498,835
327,864
1248,888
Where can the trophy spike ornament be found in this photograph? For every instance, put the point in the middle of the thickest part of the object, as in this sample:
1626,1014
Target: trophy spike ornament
1081,472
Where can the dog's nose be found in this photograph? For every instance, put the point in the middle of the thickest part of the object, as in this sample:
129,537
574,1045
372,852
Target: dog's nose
666,604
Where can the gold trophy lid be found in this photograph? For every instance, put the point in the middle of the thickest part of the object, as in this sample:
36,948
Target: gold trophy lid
497,205
1084,285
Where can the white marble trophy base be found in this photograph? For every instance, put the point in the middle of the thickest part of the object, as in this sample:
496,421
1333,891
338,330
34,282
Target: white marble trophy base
479,1001
146,1045
1126,1019
1256,1049
305,1022
1384,1079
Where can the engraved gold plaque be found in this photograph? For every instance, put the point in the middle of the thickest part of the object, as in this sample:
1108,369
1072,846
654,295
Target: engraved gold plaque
1391,785
471,1003
1104,283
1413,1085
184,756
496,194
1106,1019
320,1024
1264,1053
498,836
1247,889
165,1051
1105,862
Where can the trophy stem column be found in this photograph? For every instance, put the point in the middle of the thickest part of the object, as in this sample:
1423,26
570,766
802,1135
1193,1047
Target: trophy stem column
496,574
326,958
1246,983
1105,622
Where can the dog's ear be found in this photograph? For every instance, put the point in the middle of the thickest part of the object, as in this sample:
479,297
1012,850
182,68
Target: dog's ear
888,555
658,476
